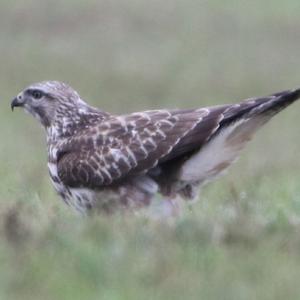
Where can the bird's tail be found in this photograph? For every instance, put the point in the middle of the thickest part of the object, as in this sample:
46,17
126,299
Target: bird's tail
236,128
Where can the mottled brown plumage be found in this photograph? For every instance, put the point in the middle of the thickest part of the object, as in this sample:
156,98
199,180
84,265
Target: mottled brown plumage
104,161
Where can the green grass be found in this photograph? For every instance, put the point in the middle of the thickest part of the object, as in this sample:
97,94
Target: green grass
241,239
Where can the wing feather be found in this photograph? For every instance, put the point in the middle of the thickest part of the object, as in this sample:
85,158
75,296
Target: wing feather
133,144
123,146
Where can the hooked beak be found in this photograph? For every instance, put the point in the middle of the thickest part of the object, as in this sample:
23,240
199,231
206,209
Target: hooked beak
16,102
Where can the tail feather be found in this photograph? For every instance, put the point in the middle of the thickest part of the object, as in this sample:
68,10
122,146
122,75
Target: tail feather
236,129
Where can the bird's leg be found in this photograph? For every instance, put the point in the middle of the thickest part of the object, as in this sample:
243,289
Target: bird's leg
170,207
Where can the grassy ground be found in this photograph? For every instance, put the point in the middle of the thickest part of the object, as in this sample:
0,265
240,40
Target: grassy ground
241,240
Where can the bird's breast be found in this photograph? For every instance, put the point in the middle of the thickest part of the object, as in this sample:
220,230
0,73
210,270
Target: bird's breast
80,198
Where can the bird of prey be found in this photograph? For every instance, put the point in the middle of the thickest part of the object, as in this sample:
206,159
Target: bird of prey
102,161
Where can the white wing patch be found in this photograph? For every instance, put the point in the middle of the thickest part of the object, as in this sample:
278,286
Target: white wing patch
220,152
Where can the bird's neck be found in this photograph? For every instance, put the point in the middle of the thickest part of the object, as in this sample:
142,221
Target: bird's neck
73,122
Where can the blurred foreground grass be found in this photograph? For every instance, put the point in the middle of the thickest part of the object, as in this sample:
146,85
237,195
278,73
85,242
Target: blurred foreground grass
241,240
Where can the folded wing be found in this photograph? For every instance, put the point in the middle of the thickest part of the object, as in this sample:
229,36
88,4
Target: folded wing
133,144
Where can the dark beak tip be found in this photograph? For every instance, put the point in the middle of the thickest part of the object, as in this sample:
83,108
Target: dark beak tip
14,103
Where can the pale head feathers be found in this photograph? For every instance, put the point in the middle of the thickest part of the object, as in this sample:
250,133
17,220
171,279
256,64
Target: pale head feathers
57,106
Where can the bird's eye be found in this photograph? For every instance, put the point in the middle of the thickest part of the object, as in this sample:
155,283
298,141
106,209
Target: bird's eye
37,94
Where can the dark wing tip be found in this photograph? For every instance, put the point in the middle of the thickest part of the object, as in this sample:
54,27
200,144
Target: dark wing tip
288,94
269,105
281,100
294,92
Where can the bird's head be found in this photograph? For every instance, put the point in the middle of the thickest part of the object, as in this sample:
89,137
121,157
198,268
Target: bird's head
48,100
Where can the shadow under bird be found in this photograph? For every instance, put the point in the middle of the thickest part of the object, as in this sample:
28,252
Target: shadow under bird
106,162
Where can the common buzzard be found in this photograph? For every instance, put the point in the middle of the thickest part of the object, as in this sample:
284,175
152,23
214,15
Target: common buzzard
104,161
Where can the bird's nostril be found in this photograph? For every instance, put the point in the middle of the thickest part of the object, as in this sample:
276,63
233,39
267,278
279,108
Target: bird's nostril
16,102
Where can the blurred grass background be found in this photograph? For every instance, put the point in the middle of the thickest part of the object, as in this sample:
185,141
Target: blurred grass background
241,240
